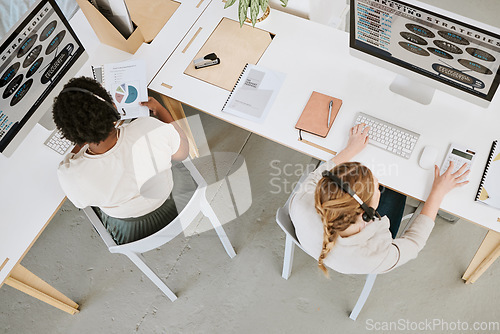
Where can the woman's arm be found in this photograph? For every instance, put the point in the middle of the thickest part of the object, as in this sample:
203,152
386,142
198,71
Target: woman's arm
408,246
164,115
358,139
442,185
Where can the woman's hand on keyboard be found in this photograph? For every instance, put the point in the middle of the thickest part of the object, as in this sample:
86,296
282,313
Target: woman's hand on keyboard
358,139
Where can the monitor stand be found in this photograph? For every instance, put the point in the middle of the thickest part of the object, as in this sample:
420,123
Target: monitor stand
47,122
412,89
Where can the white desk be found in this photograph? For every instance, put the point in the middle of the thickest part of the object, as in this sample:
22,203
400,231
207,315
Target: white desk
32,194
316,57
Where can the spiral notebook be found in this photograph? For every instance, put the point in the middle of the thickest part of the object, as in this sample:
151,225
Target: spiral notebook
254,93
489,188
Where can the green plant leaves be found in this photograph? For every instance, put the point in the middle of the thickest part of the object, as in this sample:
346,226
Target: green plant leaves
264,4
229,3
254,10
243,10
254,5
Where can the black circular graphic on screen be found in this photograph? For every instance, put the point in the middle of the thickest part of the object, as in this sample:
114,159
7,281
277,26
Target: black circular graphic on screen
471,65
414,49
458,75
36,65
452,37
447,46
54,43
419,30
26,46
413,38
9,74
21,92
440,53
57,63
11,88
30,58
48,30
480,54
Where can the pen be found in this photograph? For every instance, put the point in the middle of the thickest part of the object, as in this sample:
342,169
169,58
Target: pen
330,112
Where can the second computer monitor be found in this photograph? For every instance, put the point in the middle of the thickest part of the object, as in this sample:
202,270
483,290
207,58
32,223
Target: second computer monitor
437,48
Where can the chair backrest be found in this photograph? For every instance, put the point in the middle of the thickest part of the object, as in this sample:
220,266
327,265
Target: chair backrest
283,215
284,221
174,228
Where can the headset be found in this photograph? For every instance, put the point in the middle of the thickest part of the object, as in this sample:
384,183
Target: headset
82,90
369,212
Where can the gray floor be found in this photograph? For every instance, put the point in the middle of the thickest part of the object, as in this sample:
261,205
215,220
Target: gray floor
247,294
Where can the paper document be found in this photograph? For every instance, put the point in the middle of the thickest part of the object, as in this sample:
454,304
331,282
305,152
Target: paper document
254,93
127,85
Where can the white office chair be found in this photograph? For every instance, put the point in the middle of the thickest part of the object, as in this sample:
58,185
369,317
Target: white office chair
284,221
198,203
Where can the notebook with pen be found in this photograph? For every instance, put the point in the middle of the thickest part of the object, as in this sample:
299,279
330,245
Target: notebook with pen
314,117
489,188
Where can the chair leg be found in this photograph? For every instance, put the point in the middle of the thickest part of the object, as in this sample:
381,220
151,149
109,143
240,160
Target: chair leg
370,280
138,260
288,257
207,210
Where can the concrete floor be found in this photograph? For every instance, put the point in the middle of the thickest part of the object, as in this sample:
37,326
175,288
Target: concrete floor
247,294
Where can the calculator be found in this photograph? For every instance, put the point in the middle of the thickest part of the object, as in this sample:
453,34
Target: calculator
459,155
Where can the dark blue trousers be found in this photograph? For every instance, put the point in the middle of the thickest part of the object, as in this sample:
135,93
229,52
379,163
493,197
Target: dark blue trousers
392,205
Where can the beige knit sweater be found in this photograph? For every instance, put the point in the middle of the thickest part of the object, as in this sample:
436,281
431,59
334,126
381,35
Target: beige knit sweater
372,250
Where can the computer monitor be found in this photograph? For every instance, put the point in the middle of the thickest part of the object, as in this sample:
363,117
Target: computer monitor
37,57
430,47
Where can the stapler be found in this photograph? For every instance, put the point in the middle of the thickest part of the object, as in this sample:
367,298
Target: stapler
209,60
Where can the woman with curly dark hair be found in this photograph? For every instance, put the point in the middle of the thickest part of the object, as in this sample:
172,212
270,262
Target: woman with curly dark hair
124,172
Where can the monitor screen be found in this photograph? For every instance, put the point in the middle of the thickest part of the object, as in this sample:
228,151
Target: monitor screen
34,56
428,43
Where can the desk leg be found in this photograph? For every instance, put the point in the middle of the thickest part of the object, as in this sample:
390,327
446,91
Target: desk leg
24,280
487,253
175,108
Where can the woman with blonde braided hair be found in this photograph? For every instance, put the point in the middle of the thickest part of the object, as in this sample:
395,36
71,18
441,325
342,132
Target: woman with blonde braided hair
349,223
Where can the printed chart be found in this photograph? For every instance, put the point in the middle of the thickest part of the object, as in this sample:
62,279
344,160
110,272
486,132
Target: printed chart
126,93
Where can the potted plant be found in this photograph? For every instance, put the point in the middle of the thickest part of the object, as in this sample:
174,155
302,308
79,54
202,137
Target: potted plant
252,6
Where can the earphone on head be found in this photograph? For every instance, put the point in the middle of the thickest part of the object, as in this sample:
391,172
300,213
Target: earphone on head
369,212
82,90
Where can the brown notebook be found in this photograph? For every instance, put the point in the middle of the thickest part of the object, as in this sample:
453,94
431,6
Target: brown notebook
314,117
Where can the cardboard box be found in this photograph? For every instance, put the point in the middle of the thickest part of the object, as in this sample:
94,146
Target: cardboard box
107,33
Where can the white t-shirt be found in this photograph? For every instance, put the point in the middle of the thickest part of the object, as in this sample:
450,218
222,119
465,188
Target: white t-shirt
372,250
131,179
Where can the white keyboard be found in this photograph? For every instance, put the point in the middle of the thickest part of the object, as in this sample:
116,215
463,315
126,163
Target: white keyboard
57,142
388,136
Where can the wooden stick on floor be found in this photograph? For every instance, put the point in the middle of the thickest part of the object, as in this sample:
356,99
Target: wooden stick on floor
488,261
24,280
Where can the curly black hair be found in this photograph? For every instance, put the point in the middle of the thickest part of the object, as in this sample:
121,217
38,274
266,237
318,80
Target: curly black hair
81,117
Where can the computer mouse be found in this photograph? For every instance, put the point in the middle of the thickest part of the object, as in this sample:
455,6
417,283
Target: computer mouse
428,157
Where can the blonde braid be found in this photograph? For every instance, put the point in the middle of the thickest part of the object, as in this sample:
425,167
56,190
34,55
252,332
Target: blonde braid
337,209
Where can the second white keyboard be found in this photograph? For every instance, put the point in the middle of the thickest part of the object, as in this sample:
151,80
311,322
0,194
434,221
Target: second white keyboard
388,136
57,142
